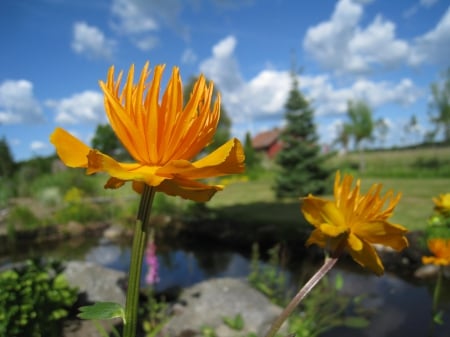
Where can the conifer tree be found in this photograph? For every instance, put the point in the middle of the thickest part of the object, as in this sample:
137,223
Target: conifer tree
301,163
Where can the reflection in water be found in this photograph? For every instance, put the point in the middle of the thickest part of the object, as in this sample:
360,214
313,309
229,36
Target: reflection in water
401,308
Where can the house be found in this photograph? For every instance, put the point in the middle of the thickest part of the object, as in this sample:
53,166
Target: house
268,142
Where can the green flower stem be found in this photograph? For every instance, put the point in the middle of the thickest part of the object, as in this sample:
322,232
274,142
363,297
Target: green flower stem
437,290
305,290
137,254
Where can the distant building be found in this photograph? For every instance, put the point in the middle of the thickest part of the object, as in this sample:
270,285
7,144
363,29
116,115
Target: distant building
268,142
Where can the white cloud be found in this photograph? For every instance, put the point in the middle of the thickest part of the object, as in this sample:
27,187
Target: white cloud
222,66
141,20
37,146
86,107
188,56
90,41
434,46
131,19
428,3
342,45
18,104
265,94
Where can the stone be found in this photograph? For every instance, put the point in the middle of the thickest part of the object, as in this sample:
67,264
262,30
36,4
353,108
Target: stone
207,303
98,283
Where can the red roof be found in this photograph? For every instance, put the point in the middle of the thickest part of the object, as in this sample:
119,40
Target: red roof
266,139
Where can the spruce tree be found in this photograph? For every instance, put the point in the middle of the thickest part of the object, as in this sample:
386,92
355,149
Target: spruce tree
301,163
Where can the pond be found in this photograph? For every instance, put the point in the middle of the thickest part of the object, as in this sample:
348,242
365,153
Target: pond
401,307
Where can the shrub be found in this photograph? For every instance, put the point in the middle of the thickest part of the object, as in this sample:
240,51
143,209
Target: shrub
34,300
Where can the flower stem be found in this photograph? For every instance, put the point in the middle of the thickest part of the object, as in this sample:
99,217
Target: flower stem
305,290
137,255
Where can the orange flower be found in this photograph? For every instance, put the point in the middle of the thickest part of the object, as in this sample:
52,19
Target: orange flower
354,222
441,250
442,203
160,135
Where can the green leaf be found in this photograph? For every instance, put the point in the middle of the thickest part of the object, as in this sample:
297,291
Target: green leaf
356,322
102,310
438,318
339,282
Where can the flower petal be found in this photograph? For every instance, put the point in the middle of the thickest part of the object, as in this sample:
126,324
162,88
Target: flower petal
70,149
227,159
189,189
334,222
318,238
312,210
368,257
383,232
99,162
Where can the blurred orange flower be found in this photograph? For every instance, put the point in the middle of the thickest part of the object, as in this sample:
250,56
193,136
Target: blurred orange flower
160,135
442,203
354,222
441,250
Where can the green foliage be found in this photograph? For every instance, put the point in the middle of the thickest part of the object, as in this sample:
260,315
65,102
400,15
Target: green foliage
34,299
325,308
252,158
63,181
440,104
155,314
268,279
22,217
302,165
361,125
102,310
235,323
7,164
75,208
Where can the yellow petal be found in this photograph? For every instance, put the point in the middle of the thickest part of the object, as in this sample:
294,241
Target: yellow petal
383,232
318,238
368,257
334,222
227,159
71,150
99,162
354,243
312,209
188,189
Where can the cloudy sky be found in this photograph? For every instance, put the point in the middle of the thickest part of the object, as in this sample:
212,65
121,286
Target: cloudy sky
54,52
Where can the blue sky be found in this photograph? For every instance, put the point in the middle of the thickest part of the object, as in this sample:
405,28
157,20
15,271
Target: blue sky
54,52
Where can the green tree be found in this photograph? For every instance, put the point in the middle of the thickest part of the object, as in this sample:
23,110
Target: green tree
223,128
343,137
440,104
302,169
252,159
106,141
360,126
7,164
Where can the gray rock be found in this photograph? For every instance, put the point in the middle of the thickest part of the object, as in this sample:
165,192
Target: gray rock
207,303
100,284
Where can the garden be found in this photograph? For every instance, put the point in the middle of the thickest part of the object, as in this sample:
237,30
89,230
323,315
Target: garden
290,229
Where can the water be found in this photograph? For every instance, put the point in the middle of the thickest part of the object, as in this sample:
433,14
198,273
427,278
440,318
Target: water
401,307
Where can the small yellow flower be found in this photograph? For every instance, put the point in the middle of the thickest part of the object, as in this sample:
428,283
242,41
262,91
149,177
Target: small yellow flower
441,250
442,203
160,135
354,222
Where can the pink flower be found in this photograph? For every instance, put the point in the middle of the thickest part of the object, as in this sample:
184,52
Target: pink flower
152,264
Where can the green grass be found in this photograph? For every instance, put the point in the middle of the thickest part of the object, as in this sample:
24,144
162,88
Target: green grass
254,204
431,162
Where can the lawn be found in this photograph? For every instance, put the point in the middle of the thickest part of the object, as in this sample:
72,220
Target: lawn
254,202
